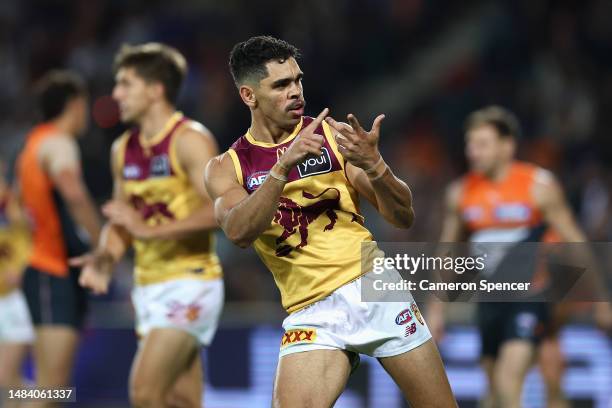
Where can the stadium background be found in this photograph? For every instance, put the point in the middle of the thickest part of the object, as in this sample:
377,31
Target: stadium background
425,63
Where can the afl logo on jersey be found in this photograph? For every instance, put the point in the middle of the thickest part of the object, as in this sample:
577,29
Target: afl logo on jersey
256,179
512,212
160,166
315,165
131,172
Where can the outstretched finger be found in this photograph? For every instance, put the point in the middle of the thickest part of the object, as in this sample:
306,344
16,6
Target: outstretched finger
377,122
315,123
354,122
79,260
341,128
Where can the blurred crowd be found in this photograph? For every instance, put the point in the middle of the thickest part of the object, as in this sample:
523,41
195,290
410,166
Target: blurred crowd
548,61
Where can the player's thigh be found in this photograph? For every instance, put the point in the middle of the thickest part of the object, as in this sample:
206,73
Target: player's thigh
310,379
420,375
186,392
163,355
54,352
11,361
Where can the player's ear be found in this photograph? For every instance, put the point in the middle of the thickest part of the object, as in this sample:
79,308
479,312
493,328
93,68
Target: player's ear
156,90
248,96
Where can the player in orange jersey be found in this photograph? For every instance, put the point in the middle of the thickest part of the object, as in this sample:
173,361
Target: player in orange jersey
160,206
64,220
504,200
290,187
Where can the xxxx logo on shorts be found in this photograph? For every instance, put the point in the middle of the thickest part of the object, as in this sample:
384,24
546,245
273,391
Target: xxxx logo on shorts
298,336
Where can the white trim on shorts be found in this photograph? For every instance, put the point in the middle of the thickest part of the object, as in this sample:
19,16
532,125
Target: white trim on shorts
15,322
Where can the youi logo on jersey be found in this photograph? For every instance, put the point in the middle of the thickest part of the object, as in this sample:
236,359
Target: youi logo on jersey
315,165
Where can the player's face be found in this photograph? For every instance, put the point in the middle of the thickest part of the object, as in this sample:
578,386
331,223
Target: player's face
132,93
280,95
485,149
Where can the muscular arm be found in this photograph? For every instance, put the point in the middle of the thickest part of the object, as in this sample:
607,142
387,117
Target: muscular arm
242,217
60,158
551,202
390,195
453,229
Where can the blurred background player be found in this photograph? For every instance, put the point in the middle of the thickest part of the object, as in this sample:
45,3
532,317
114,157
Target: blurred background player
16,330
161,207
289,187
475,203
63,218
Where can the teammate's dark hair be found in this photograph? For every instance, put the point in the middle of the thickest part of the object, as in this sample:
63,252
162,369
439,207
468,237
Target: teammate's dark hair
155,62
248,58
55,89
504,121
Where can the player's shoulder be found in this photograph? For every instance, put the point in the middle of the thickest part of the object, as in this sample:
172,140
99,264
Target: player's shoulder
193,133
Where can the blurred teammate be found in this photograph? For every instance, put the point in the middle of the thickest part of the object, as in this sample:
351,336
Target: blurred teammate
503,200
161,207
16,330
62,216
290,186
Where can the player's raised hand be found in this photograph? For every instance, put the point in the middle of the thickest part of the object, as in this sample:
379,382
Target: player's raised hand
306,143
96,272
358,146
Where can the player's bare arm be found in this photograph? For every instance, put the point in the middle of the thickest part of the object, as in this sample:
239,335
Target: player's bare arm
244,217
195,146
368,172
60,158
97,267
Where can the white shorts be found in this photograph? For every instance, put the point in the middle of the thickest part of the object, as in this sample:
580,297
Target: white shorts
15,323
190,305
343,321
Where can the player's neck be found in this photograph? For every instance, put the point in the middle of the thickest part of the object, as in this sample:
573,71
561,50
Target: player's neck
266,131
155,119
64,124
500,172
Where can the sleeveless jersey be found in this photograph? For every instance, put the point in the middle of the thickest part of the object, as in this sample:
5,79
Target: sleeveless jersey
313,245
54,234
159,189
14,244
502,211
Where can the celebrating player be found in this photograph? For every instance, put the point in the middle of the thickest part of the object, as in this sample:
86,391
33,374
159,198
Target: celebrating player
161,207
290,186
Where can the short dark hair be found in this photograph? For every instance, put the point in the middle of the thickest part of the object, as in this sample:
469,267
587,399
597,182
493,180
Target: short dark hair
155,62
505,122
248,58
55,89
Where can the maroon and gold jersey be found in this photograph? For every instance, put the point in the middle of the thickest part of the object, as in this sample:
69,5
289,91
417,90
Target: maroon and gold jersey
313,245
158,187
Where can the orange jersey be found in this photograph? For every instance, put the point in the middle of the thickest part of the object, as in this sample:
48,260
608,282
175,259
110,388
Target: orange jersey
502,211
54,236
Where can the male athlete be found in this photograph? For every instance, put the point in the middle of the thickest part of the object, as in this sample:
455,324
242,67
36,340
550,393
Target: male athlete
63,219
290,186
504,200
16,330
161,207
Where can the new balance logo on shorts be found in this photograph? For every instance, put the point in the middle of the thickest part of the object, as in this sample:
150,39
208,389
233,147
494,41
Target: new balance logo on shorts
410,329
298,336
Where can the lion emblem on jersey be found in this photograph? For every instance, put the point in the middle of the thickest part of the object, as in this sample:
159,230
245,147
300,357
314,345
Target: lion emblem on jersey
296,218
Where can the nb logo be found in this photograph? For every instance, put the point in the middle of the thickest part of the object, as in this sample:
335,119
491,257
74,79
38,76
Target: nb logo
280,151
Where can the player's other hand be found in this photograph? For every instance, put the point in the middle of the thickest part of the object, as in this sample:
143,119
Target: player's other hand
96,271
358,146
123,214
306,143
